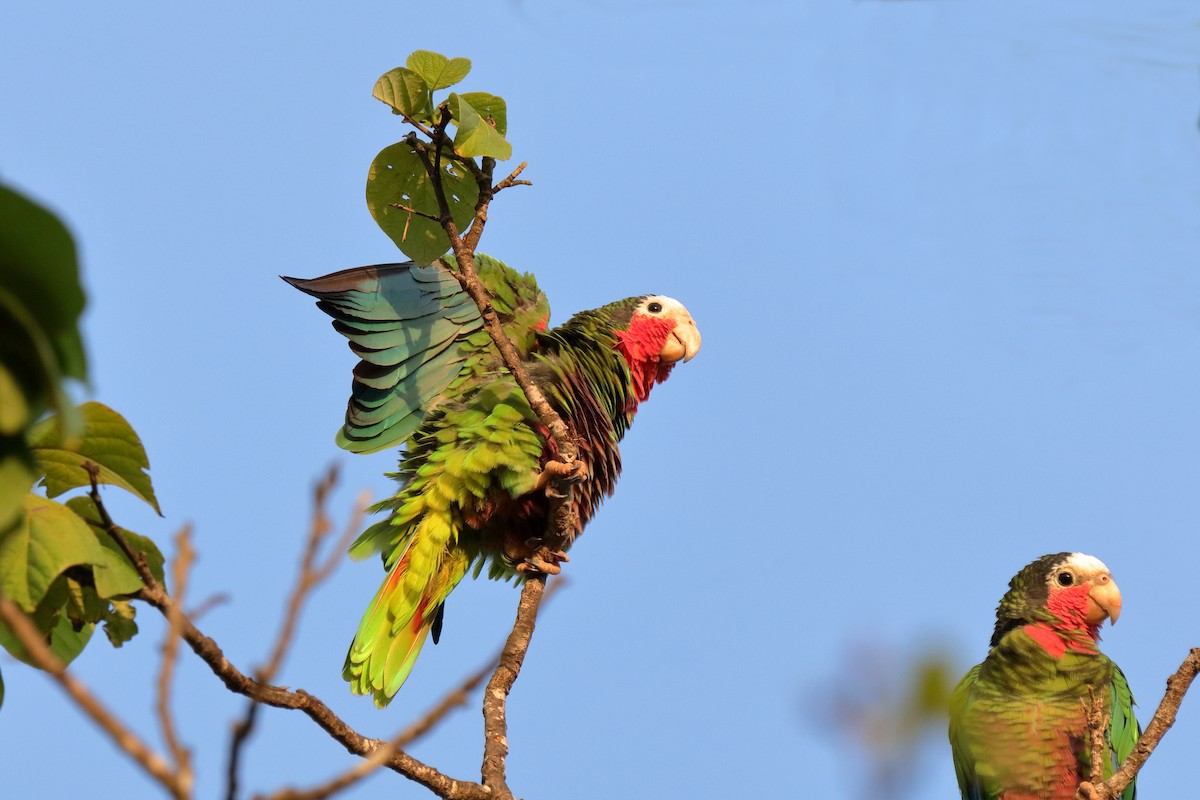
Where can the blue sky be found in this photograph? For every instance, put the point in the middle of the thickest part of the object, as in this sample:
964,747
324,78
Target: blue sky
944,258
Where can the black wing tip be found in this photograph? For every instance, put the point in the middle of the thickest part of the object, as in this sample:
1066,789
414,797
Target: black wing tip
303,284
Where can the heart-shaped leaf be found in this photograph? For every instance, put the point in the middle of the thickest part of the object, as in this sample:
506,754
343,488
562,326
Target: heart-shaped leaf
398,176
436,70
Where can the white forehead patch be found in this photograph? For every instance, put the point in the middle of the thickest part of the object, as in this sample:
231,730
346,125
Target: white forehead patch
1084,563
669,305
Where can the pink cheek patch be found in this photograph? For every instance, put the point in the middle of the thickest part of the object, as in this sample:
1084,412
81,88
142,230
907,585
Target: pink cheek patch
640,344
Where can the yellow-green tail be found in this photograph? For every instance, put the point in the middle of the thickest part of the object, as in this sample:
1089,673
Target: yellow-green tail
395,626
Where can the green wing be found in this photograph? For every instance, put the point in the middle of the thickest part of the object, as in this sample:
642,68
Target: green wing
414,329
1123,729
964,761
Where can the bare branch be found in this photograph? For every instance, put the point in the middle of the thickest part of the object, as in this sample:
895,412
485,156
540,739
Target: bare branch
511,180
311,575
1160,723
418,729
495,722
180,569
1164,717
31,639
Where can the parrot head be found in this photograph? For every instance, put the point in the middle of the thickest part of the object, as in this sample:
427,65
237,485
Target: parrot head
1067,591
653,334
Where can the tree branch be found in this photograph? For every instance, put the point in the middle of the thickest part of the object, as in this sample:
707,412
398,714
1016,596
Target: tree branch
309,577
1160,723
238,682
495,722
31,639
184,556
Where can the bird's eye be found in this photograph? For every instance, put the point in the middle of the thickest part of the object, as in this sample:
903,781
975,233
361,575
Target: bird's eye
1065,579
654,308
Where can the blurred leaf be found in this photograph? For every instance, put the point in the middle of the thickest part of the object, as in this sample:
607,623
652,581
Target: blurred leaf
398,176
38,268
436,70
119,626
66,640
1,690
406,93
493,109
108,441
475,136
16,479
49,539
15,413
40,303
115,576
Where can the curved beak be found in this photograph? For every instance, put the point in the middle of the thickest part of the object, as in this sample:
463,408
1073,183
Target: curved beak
1104,600
684,341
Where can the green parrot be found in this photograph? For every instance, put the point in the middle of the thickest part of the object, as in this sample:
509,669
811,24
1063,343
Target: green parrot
1018,721
473,491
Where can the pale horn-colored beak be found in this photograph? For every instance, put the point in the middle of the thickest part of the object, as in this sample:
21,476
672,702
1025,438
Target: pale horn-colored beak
684,341
1104,600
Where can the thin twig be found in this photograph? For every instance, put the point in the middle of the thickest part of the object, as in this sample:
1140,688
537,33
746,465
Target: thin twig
180,568
511,180
136,557
1160,723
208,604
457,697
311,706
415,212
31,639
310,575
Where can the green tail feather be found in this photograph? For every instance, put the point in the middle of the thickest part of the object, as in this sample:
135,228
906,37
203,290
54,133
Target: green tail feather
394,629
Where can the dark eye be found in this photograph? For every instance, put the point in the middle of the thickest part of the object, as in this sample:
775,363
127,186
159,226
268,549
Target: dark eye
654,308
1065,579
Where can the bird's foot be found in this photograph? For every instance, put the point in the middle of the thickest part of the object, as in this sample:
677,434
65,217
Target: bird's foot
1088,792
543,560
557,477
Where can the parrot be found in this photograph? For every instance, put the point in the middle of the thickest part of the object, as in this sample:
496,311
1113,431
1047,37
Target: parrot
473,483
1019,720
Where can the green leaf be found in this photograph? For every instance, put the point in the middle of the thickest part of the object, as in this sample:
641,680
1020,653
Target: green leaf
398,176
39,271
493,109
16,479
436,70
108,441
15,413
475,136
119,626
115,576
406,93
1,690
49,539
65,641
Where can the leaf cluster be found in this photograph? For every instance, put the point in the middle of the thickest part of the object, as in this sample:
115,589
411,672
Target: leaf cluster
57,560
400,193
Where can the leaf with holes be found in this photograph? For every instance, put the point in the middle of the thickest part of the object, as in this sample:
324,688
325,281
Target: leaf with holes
436,70
398,176
108,441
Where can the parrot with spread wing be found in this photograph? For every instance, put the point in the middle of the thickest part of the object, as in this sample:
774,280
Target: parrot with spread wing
473,476
1019,721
